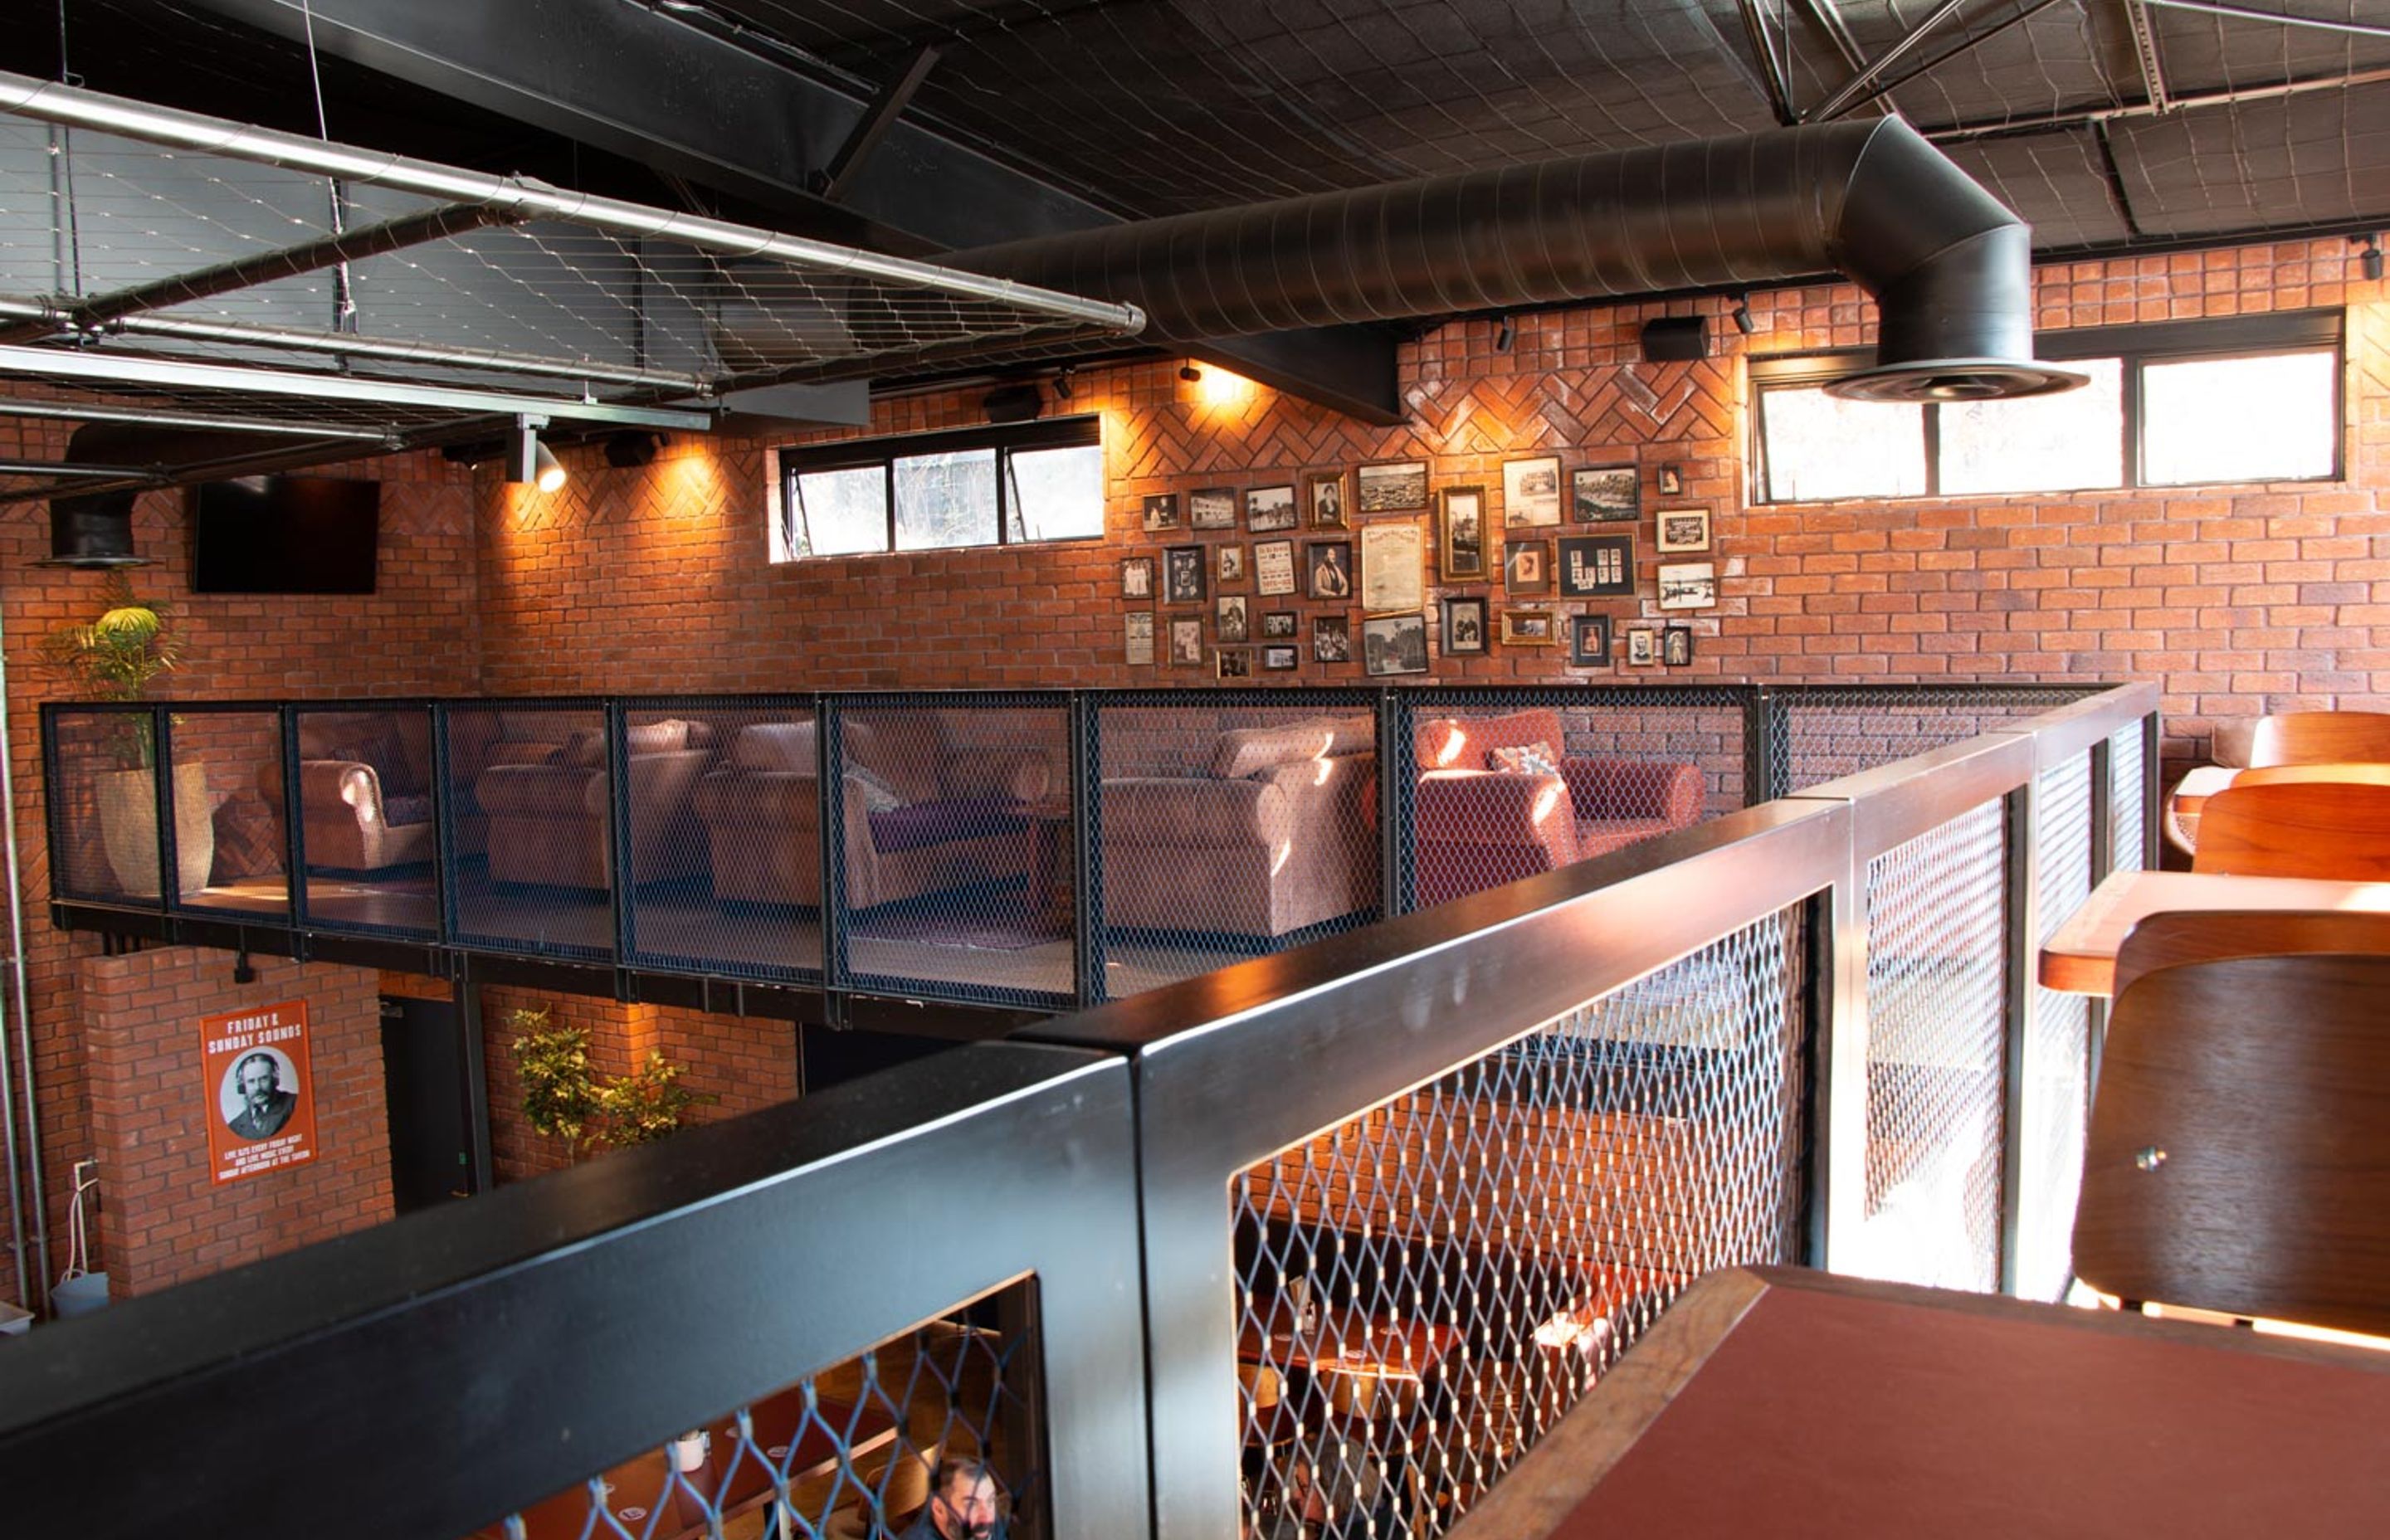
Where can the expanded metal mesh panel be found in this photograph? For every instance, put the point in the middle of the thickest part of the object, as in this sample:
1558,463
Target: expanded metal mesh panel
238,756
847,1454
1229,830
1510,786
368,805
726,831
534,874
103,789
1826,733
2127,820
1936,1007
954,844
1424,1290
2057,1041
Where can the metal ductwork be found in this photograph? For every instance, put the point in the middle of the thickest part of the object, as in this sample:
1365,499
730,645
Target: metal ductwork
96,529
1948,265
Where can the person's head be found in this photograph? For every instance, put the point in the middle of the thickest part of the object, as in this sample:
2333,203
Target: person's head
962,1498
259,1077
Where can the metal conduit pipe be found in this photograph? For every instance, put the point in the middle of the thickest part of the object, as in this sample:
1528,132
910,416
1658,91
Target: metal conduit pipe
1948,265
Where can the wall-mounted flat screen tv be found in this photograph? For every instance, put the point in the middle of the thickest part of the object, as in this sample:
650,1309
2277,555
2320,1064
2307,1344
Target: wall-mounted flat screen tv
285,534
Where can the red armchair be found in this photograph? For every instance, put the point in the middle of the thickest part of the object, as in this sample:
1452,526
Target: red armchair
1481,823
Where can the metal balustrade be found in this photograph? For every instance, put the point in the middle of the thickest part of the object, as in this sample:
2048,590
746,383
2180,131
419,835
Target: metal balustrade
1021,852
1334,1232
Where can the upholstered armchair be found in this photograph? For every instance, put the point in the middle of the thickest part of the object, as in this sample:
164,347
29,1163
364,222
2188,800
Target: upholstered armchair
551,822
365,791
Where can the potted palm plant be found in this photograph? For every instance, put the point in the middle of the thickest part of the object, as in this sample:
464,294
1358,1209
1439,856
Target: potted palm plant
116,657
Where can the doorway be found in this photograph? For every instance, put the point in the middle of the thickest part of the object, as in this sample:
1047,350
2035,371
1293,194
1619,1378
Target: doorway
431,1111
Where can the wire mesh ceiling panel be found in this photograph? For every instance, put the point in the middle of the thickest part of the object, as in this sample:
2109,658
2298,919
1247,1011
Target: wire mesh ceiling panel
1425,1290
1937,1009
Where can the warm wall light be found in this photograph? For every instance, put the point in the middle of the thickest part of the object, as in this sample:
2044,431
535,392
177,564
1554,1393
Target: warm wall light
550,470
1221,388
1189,373
530,460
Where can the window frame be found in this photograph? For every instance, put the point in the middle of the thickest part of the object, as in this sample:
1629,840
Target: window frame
2138,344
1079,431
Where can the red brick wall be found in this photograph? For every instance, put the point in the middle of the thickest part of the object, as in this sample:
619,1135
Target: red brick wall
741,1063
161,1220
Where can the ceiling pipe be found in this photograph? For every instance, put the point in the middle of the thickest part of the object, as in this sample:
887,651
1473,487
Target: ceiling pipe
1948,266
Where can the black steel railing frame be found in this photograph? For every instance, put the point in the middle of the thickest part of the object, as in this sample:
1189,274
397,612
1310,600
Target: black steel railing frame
428,1376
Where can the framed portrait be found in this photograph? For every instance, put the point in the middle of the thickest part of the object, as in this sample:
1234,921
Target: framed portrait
1231,619
1531,491
1137,578
1643,647
1182,574
1672,481
1331,640
1212,508
1230,560
1274,567
1528,628
1278,625
1391,487
1682,529
1139,633
1687,584
1278,660
1395,644
1329,564
1527,567
1323,493
1270,509
1235,662
1393,568
1597,566
1588,641
1604,495
1464,625
1460,534
1676,647
1187,643
1162,511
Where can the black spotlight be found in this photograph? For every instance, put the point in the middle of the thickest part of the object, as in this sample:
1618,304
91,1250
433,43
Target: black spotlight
631,449
1189,373
2369,261
1014,403
1675,340
1064,389
1742,314
1504,336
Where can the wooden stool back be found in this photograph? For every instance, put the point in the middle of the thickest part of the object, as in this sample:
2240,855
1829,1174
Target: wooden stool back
2202,935
2324,828
2308,738
2349,771
2239,1157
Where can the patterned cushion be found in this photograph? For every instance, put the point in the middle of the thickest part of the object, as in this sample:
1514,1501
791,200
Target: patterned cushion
386,753
1528,759
249,839
413,808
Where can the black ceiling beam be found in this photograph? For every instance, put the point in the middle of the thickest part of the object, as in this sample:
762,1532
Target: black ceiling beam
682,101
845,167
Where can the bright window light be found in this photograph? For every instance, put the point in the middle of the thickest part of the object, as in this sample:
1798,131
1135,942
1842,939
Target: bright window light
945,500
2039,444
2259,418
1819,446
842,512
1057,493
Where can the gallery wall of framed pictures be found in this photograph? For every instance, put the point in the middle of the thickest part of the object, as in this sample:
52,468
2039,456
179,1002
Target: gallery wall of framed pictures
1580,560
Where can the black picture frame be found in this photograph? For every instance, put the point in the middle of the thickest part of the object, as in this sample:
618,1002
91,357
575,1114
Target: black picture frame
1596,566
1465,625
1588,641
1676,646
1394,644
1136,577
1327,570
1161,512
1280,625
1212,508
1184,575
1331,640
1605,495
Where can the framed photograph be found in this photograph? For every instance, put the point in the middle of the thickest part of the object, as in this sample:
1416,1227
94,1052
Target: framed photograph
1460,534
1527,567
1278,660
1393,568
1235,662
1682,529
1588,641
1187,643
1531,491
1278,625
1676,647
1643,647
1597,566
1137,578
1329,566
1162,511
1273,566
1395,644
1331,640
1270,509
1140,636
1182,574
1392,486
1231,562
1212,508
1231,618
1672,481
1687,584
1604,495
1464,625
1323,493
1528,628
